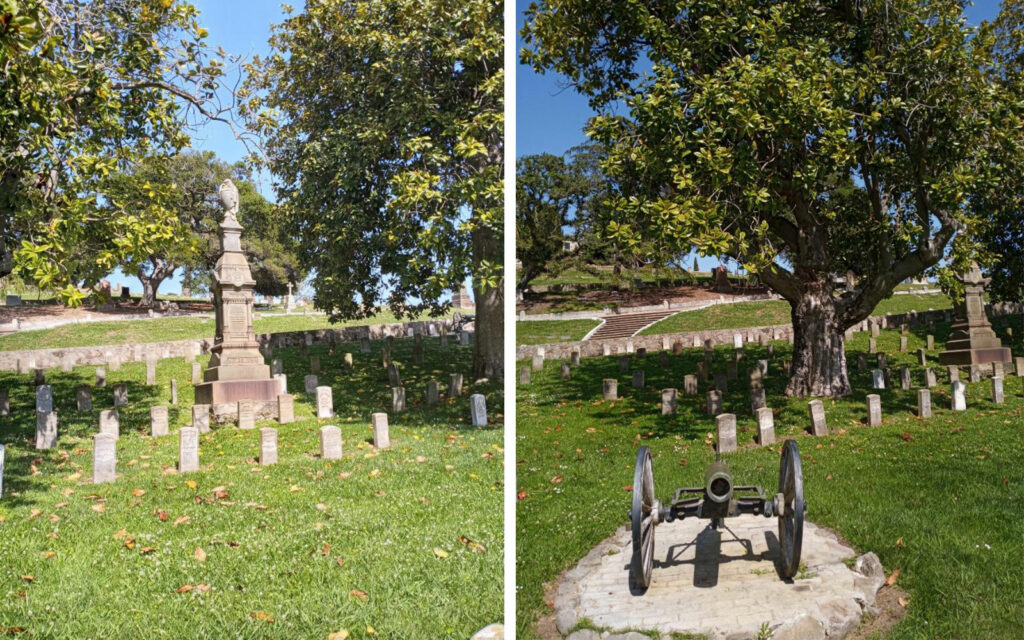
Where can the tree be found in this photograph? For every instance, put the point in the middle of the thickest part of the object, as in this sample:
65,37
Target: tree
383,123
802,139
543,200
90,87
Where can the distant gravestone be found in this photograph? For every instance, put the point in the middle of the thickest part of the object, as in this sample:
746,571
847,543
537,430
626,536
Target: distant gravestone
285,408
997,390
397,399
929,378
311,383
623,364
324,402
150,372
606,349
114,364
46,429
922,357
959,396
641,352
268,446
3,455
455,385
725,427
765,427
158,421
44,398
574,358
201,417
669,402
246,414
463,338
818,426
314,364
610,389
975,373
905,378
110,422
188,450
757,399
872,345
877,379
862,362
348,362
881,361
954,372
84,397
756,379
737,341
276,366
903,344
330,443
394,377
101,377
66,365
282,383
874,410
524,375
433,394
638,379
690,385
174,391
924,403
190,353
120,394
13,300
537,362
417,351
714,402
1019,366
197,374
364,345
381,436
930,341
104,458
478,410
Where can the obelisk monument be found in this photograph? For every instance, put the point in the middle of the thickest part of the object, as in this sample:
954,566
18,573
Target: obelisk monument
971,338
236,370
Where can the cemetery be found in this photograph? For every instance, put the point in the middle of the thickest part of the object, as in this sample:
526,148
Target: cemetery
912,476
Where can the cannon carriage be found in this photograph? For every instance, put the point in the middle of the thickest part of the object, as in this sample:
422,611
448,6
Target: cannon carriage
718,499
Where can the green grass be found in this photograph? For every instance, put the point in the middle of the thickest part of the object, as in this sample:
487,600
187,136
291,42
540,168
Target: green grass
274,539
772,312
92,334
940,499
547,331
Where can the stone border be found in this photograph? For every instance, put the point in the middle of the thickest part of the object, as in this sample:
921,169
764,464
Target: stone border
100,355
597,314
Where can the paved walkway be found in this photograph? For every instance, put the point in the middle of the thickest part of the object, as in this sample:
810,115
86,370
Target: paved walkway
627,325
708,582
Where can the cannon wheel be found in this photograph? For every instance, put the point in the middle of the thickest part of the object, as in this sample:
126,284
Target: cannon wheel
642,517
791,519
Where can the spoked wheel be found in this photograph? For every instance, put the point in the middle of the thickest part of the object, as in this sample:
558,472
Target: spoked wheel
644,516
791,516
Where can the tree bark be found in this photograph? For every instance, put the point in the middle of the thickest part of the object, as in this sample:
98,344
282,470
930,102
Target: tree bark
151,282
819,356
489,321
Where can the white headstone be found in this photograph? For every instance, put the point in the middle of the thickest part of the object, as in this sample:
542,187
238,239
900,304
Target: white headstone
188,449
311,383
46,429
877,379
330,443
455,385
324,402
44,398
478,409
818,425
268,446
246,414
120,394
669,402
104,458
285,408
610,389
725,426
874,410
959,397
381,437
158,421
765,426
201,417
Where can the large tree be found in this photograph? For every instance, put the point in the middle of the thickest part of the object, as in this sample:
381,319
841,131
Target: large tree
383,122
90,87
801,138
544,198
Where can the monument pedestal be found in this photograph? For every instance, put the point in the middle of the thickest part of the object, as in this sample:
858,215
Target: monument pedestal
971,338
231,391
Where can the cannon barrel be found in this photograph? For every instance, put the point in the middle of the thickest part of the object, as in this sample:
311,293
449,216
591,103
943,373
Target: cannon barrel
718,482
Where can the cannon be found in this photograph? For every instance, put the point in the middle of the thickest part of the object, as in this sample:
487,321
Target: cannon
718,499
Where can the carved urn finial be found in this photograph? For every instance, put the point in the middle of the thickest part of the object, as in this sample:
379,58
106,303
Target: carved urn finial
228,193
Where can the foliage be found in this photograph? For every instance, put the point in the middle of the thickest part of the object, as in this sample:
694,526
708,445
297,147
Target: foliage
543,200
90,88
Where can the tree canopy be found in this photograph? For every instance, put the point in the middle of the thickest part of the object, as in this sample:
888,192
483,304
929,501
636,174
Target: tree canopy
383,123
803,139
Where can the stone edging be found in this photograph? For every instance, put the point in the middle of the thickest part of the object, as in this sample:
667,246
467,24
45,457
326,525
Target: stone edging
597,314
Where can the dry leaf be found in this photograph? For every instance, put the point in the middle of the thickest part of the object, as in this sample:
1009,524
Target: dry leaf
473,544
182,520
359,595
33,514
891,580
440,553
147,550
138,493
262,615
326,550
340,561
339,635
521,495
99,508
120,534
556,479
28,577
903,602
191,484
899,543
160,513
202,588
185,588
199,554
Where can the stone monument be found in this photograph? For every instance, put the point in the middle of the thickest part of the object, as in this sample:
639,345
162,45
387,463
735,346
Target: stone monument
721,279
971,338
461,299
236,370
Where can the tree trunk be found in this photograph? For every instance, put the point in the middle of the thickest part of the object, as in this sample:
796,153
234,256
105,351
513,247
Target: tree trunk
819,358
489,321
151,282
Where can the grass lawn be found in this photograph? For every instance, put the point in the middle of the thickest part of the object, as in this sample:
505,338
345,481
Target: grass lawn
770,312
940,499
547,331
163,330
369,544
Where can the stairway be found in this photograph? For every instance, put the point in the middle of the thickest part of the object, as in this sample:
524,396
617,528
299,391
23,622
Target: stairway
626,325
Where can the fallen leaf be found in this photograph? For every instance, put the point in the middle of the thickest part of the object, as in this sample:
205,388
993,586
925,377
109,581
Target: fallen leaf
191,484
440,553
99,508
521,495
262,615
891,580
473,544
33,514
202,588
147,550
28,577
370,631
182,520
420,459
120,534
160,513
359,595
199,554
340,560
903,602
556,479
138,493
899,543
185,588
375,473
339,635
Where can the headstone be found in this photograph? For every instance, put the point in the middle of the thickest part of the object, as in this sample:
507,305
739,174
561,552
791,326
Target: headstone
881,361
44,398
104,458
606,349
924,403
46,429
101,377
311,383
702,371
997,369
954,372
610,389
997,390
737,341
1019,365
394,377
282,383
348,362
975,373
246,414
314,364
174,391
623,364
188,449
765,426
364,344
110,422
922,357
689,385
663,360
677,347
818,426
197,374
268,446
84,397
566,371
875,330
755,377
150,372
330,443
757,399
874,410
903,344
574,358
638,379
120,394
877,379
324,402
190,353
201,417
455,385
872,345
725,426
158,421
66,365
524,375
959,396
930,341
433,394
669,402
381,436
862,362
929,378
641,352
905,378
285,408
114,364
3,455
397,399
537,362
714,402
13,300
463,338
478,410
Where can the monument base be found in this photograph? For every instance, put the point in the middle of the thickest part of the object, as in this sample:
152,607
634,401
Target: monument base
231,391
968,357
